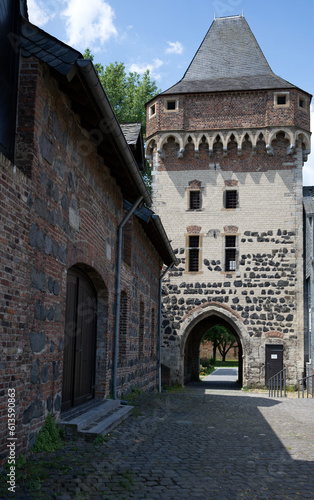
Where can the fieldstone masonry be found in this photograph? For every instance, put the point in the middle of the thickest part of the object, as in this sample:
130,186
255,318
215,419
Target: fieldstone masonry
214,141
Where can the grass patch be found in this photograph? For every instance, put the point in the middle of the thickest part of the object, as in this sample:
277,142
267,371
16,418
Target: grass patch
49,437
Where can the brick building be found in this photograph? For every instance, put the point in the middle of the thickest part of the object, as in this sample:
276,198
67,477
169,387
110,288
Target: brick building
77,321
227,144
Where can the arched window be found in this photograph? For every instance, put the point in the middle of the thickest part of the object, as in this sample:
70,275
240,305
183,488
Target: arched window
141,331
123,326
153,334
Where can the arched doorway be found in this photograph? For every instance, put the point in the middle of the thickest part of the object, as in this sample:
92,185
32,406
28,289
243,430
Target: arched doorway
80,340
192,345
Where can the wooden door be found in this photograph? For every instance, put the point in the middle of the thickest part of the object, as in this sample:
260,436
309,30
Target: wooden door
80,341
274,360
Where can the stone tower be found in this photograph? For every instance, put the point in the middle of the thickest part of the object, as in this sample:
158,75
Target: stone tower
226,146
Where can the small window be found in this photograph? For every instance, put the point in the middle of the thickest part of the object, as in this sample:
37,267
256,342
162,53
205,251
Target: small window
152,110
195,200
281,99
302,104
230,253
231,199
153,333
141,330
194,253
171,105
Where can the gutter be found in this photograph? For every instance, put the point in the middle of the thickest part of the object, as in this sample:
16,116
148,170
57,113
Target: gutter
92,80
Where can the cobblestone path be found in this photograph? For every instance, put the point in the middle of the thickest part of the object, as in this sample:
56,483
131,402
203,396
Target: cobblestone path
195,443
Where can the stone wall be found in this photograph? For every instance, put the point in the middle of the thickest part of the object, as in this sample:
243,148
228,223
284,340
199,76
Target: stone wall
264,295
61,208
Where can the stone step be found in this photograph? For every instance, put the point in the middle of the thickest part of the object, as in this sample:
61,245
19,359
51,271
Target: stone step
94,418
105,424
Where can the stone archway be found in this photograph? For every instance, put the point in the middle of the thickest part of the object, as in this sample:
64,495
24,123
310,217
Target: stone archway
196,324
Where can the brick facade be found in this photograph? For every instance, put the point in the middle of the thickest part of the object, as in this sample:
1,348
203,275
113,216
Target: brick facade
60,209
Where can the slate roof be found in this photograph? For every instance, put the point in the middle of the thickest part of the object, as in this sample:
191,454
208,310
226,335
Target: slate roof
131,132
50,50
229,58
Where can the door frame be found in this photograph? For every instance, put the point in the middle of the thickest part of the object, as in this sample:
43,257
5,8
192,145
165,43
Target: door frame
72,355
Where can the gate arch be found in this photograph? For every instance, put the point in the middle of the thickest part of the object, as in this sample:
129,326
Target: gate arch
196,324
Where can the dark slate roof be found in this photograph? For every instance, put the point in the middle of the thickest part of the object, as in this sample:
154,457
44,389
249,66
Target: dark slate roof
55,53
131,132
229,58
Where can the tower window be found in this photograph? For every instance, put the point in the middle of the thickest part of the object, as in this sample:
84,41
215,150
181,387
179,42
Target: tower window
231,199
152,110
193,253
281,99
230,253
195,200
171,105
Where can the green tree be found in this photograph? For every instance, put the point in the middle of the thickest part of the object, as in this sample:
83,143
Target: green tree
222,339
127,92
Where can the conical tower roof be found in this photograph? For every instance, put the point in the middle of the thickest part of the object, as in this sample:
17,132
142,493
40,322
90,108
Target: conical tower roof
229,58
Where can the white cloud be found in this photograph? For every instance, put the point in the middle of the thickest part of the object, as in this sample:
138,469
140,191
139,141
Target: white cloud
141,68
308,169
38,14
174,48
89,23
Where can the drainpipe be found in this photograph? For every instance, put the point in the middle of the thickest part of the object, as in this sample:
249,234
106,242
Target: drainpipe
159,325
118,287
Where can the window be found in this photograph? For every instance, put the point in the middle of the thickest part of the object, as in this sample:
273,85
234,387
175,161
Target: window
231,199
123,326
153,333
195,200
193,253
281,99
152,110
230,253
171,105
141,330
302,104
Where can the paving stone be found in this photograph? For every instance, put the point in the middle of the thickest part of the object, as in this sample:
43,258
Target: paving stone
153,456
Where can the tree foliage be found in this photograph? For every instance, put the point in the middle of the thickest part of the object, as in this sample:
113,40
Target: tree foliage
127,92
221,338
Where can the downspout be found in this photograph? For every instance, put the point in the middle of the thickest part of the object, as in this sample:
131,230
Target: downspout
159,325
118,287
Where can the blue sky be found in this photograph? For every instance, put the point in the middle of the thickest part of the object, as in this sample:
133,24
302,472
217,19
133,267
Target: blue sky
164,35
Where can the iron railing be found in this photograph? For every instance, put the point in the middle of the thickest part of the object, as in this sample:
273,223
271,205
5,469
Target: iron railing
306,384
277,384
